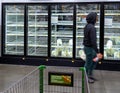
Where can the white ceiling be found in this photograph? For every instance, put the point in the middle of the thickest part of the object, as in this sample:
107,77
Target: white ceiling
56,0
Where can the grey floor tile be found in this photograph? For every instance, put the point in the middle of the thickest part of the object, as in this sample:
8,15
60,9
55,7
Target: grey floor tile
112,84
98,84
111,75
98,74
108,81
98,90
9,74
113,91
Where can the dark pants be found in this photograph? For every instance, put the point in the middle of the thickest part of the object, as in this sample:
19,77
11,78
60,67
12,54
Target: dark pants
89,64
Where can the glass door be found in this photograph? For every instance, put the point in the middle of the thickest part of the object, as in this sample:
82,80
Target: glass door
112,32
81,12
62,30
37,30
14,29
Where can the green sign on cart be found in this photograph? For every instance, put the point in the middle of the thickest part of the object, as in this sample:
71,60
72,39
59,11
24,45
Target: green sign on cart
58,78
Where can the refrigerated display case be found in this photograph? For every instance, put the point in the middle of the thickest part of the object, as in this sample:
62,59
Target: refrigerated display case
37,30
14,29
53,31
62,30
112,31
81,12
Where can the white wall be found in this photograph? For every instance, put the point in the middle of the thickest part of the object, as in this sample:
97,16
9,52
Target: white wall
0,11
13,1
0,27
55,0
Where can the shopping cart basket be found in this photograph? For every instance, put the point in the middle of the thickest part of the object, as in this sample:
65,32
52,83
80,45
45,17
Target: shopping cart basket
52,79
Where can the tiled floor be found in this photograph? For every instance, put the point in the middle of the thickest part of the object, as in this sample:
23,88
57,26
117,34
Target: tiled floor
108,81
9,74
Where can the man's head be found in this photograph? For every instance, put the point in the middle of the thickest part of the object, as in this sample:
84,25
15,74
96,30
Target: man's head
92,17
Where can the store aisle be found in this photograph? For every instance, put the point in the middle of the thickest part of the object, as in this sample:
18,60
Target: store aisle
108,81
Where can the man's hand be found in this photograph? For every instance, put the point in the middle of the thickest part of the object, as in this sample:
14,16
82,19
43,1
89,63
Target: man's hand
100,56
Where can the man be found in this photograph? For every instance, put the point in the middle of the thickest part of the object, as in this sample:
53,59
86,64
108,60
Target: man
90,45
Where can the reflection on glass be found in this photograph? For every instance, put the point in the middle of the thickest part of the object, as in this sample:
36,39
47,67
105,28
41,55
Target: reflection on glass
62,30
112,32
37,30
14,30
82,12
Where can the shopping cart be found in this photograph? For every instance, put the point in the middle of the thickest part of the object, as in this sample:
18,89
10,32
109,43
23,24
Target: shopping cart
50,79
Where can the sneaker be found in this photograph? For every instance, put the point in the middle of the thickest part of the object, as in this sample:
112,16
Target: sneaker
93,78
90,80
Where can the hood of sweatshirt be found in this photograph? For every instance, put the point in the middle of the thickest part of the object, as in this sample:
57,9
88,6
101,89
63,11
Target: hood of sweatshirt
91,17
